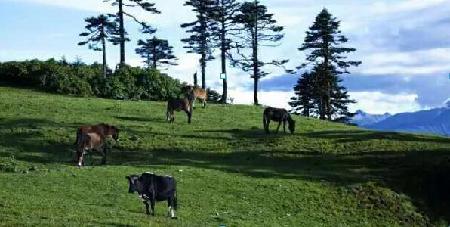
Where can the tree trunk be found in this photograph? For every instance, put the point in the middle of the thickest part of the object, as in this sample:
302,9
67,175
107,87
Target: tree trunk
203,64
255,57
322,108
149,61
224,65
154,60
104,57
122,34
195,80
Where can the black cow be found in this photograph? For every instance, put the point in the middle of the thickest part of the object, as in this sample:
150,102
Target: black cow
152,188
280,116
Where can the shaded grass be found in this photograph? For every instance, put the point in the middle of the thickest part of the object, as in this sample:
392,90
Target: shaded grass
229,171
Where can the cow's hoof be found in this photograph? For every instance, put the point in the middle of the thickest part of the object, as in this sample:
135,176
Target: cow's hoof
174,218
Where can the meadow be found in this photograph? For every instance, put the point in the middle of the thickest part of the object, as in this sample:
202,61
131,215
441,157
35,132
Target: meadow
229,171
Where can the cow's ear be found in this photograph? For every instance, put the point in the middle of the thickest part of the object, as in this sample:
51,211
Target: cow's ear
128,177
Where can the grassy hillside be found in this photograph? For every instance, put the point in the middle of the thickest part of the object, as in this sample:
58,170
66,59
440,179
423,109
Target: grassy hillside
229,172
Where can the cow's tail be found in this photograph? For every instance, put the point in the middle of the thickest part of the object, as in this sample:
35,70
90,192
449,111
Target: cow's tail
175,202
77,140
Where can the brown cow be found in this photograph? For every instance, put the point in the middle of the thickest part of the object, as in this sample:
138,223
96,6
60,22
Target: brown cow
178,105
195,92
93,138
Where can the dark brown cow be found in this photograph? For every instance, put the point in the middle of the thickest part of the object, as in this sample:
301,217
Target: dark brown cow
280,116
178,105
92,138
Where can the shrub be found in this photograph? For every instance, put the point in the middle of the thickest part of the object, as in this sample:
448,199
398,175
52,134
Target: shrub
87,80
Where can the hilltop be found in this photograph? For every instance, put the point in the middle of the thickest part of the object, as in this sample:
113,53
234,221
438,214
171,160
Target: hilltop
229,172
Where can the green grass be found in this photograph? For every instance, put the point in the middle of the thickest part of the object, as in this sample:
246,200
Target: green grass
228,171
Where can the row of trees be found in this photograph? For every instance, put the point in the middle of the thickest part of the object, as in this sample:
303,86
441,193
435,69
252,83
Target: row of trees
238,30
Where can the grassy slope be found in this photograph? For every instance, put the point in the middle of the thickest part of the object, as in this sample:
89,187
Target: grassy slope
228,171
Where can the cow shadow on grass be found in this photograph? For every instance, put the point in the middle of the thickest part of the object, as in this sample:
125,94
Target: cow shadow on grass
346,136
422,175
141,119
36,140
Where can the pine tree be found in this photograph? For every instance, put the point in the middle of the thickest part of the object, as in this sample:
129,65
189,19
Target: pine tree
257,28
324,43
156,52
200,30
223,13
303,102
119,17
99,30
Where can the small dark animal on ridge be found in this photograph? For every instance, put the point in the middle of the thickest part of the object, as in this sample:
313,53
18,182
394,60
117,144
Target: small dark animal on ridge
152,188
280,116
178,105
93,138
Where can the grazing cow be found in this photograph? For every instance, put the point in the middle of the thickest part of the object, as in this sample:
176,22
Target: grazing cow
178,105
93,138
280,116
153,188
195,92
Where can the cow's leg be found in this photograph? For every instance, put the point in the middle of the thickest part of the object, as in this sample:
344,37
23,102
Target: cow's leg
171,202
147,211
278,128
80,155
284,126
189,115
268,126
152,204
204,103
104,150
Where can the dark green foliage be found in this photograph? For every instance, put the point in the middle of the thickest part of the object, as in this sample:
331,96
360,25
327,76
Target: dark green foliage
214,96
156,52
256,28
330,99
200,33
86,80
303,103
119,18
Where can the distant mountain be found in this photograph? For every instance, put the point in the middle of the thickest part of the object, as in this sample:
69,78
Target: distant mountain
362,118
434,121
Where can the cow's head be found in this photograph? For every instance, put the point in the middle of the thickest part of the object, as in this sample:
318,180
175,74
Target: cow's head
114,132
291,125
134,184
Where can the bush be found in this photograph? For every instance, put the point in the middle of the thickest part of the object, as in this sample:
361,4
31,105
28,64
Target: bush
87,80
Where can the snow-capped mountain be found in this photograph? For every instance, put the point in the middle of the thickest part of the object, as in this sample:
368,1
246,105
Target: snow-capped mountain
434,121
362,118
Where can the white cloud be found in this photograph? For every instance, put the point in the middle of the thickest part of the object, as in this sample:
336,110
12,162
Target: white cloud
270,98
380,103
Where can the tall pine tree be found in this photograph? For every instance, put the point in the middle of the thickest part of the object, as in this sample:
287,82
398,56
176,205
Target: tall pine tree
99,30
224,12
119,16
257,28
156,52
199,40
324,43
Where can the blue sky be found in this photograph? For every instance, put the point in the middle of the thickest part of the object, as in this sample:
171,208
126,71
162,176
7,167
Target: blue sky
404,45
